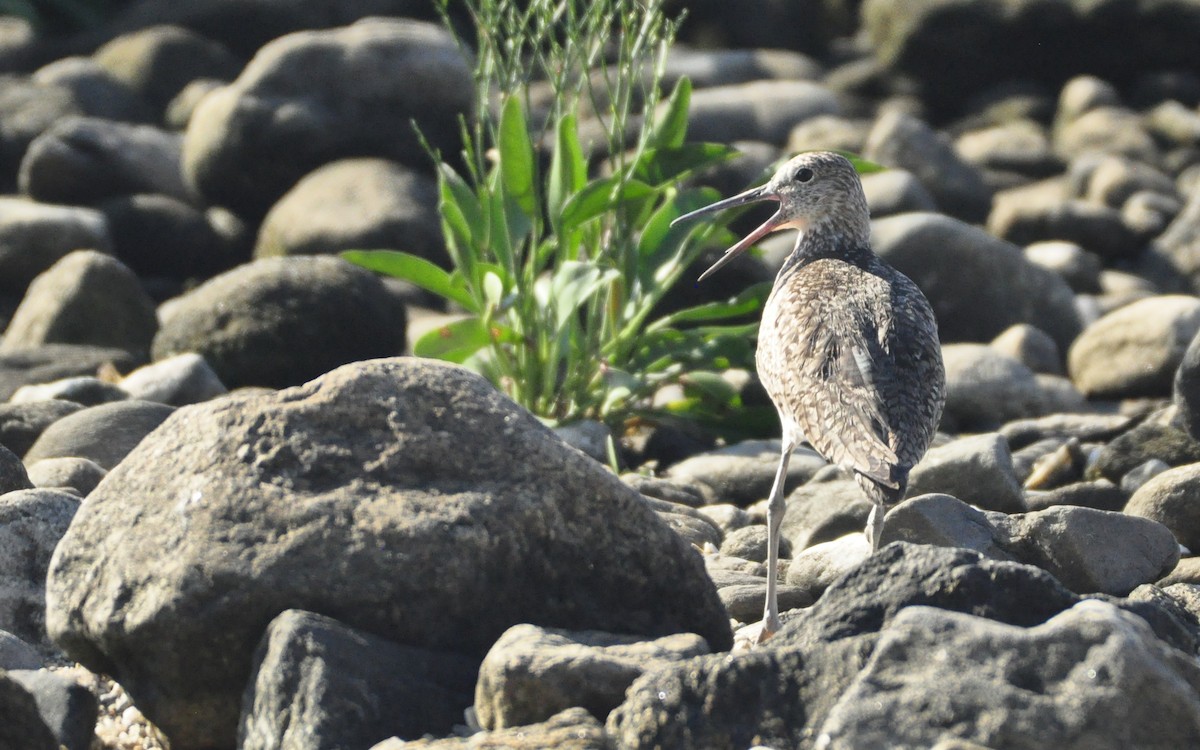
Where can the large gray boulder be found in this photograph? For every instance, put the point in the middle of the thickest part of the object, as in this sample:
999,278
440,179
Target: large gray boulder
316,96
34,237
379,486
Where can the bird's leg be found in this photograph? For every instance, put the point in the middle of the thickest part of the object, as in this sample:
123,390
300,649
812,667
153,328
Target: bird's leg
776,506
874,530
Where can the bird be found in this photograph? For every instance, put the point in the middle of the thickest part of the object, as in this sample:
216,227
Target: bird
848,347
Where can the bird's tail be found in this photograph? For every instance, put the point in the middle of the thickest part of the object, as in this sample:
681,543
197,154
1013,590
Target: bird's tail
884,495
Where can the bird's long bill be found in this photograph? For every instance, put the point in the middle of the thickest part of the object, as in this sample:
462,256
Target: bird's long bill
754,195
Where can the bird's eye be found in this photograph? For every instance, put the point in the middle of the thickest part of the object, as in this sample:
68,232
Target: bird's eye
804,175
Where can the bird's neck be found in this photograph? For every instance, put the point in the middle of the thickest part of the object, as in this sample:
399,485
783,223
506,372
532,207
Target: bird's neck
847,242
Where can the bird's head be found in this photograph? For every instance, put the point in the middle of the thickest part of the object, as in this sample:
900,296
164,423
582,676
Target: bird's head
817,189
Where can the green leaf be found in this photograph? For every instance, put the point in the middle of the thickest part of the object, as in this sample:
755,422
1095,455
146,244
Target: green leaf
659,166
671,120
711,386
568,169
516,156
572,285
454,342
599,197
861,165
749,301
417,270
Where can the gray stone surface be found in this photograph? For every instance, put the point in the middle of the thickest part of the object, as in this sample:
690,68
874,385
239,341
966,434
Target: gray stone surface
104,434
443,489
356,204
978,285
178,380
79,474
532,673
12,472
34,236
573,729
1173,499
68,709
20,424
1066,683
347,91
23,726
89,298
1134,351
281,321
319,684
977,469
31,524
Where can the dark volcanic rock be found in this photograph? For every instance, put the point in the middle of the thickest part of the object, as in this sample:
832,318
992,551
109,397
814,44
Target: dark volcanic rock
439,493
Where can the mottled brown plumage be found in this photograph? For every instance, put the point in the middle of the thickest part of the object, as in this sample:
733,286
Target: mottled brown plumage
848,348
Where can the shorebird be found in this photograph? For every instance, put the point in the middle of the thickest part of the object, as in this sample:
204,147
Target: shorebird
848,347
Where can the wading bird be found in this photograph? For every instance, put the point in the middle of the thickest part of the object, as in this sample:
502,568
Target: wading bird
848,346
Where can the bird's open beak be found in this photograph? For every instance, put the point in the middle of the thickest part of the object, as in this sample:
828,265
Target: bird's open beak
754,195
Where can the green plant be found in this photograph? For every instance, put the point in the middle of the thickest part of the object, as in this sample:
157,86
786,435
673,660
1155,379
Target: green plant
560,273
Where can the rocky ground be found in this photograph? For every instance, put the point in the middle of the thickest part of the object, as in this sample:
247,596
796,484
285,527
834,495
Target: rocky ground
233,515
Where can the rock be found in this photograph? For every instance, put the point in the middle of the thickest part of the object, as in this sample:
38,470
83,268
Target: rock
1146,441
900,140
573,729
896,191
1179,244
1065,683
20,424
1040,213
84,390
1086,428
439,465
85,298
1137,477
944,521
1186,392
978,285
23,726
348,91
356,204
1078,267
823,511
1134,351
1051,463
178,380
104,434
1100,494
976,469
830,133
94,91
1108,130
698,532
984,388
818,566
158,61
680,493
1148,214
744,602
31,524
719,700
1114,180
17,654
1082,94
279,321
34,237
78,474
85,160
532,673
56,361
29,106
1091,550
721,67
13,475
759,110
1173,499
1031,347
68,709
318,683
743,473
1020,146
727,517
159,236
750,543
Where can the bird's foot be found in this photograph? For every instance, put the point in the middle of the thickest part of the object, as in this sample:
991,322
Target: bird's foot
751,636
